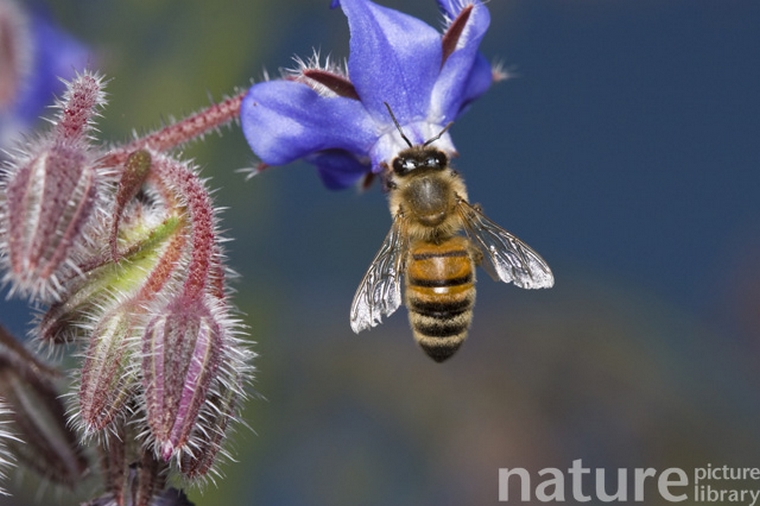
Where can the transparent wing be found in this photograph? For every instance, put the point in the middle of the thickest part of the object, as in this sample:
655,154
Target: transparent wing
508,258
379,293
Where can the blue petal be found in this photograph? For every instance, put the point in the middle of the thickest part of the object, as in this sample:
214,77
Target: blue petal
286,120
394,58
463,74
477,23
452,8
480,79
339,169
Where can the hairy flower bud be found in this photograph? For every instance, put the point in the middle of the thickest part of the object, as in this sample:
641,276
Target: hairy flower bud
50,194
214,418
181,352
49,200
150,262
108,379
111,308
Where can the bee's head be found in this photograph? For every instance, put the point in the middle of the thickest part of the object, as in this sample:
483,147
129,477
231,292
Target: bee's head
419,157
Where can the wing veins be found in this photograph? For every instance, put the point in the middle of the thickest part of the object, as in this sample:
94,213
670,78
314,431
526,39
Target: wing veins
379,293
508,259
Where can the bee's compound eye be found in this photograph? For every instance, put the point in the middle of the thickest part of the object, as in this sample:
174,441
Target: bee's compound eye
441,159
436,160
403,165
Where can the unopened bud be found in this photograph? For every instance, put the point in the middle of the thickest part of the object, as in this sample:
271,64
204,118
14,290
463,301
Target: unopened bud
50,195
49,199
181,351
151,261
219,410
108,379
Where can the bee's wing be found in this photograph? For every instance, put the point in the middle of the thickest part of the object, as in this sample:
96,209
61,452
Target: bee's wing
379,293
508,258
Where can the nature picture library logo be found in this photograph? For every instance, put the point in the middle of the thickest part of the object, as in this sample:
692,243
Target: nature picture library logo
707,484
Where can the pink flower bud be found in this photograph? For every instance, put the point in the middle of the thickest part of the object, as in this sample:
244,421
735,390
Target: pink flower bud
123,248
49,199
181,352
108,380
50,194
220,408
151,261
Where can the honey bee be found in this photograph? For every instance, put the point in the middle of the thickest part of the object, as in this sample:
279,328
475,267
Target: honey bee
429,205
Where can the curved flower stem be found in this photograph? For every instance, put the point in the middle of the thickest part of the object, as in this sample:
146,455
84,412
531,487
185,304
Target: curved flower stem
181,132
177,178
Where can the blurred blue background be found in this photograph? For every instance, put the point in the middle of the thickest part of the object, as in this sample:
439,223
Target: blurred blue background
626,151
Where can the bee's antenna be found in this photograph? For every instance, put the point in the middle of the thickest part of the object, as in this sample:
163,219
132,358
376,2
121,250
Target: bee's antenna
430,141
395,122
406,139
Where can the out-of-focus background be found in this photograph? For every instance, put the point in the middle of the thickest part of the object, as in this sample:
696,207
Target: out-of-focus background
626,151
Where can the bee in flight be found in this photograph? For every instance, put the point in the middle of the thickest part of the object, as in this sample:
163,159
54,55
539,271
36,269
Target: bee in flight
429,205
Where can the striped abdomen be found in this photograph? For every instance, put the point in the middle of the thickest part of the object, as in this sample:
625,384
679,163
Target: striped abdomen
440,294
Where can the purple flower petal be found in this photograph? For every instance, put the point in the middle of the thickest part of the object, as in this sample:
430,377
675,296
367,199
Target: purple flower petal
452,8
339,169
456,78
480,79
286,120
395,58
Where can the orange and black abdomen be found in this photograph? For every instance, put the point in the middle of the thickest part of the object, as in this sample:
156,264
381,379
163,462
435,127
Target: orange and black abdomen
440,294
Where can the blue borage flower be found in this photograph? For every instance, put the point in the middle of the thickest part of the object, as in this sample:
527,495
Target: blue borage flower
337,119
